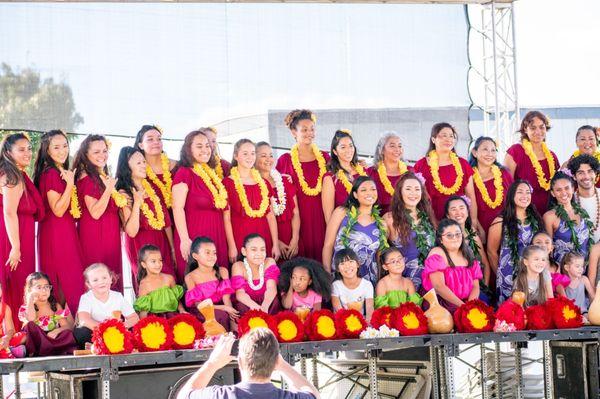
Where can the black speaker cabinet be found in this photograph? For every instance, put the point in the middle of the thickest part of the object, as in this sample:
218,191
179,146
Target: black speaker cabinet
134,383
575,369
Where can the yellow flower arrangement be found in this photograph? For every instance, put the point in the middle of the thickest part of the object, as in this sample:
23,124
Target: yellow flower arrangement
74,210
241,191
213,183
344,179
156,221
383,177
497,174
435,173
164,187
310,191
542,181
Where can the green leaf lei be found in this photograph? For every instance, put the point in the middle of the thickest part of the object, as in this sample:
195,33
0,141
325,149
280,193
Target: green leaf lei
471,234
562,214
424,232
352,214
513,242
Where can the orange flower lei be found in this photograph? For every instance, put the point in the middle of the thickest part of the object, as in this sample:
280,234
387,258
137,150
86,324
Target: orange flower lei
310,191
383,177
165,188
156,221
542,181
213,183
497,173
344,179
241,191
435,173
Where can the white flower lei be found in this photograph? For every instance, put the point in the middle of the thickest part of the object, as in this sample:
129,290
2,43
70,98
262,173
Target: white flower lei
261,276
278,207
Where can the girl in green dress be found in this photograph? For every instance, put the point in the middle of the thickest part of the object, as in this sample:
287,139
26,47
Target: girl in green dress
393,289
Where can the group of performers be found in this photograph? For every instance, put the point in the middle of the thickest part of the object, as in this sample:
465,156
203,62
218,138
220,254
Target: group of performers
310,229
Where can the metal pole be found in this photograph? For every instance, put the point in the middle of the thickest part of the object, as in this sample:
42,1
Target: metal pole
495,58
448,370
434,372
485,390
303,366
498,370
519,372
17,386
372,356
315,374
548,372
517,115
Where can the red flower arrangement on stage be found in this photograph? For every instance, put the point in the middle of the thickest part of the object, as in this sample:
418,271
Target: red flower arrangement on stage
349,323
288,327
511,315
473,317
565,314
186,330
381,316
153,333
538,318
112,338
320,326
409,319
255,319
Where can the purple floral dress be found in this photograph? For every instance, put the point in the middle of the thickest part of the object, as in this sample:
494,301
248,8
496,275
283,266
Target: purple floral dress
563,242
504,278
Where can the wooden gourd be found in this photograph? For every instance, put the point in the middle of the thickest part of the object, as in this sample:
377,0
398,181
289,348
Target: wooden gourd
211,325
439,319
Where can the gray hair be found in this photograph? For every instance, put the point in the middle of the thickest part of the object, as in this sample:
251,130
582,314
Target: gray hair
378,157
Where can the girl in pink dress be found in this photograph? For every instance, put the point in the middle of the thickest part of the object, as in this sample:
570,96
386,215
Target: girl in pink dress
206,280
343,168
255,277
58,242
451,267
306,158
249,203
99,201
145,218
445,172
531,155
21,206
304,283
199,199
387,169
284,201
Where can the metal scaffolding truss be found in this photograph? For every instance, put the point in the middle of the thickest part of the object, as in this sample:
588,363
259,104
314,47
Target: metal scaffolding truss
492,74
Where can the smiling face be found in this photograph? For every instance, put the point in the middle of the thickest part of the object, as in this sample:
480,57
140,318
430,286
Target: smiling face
304,133
585,176
452,238
411,192
98,280
486,153
246,155
348,269
543,241
21,153
153,262
137,165
200,149
206,255
458,211
300,280
394,263
152,142
97,153
58,149
562,190
264,158
345,149
536,131
255,251
522,197
586,141
536,262
445,140
367,193
392,150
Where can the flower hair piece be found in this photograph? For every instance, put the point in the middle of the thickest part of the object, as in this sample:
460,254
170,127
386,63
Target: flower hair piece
158,128
313,118
467,200
347,131
420,177
567,172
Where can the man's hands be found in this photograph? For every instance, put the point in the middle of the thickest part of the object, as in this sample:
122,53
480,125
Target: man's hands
221,354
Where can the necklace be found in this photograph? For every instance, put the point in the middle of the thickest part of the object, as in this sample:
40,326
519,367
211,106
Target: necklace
306,189
241,191
261,276
342,177
279,201
485,195
542,181
383,176
435,173
74,208
561,212
213,183
120,199
156,219
219,168
597,224
164,187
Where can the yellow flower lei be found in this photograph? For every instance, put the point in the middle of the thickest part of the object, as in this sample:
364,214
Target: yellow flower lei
310,191
344,179
219,168
120,199
214,184
497,173
542,181
384,178
75,210
578,153
165,188
157,222
241,191
435,173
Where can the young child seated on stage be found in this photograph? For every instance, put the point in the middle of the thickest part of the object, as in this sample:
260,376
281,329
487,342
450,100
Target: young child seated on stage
100,303
303,284
11,343
559,280
350,291
392,288
573,265
206,280
254,278
533,277
158,293
49,327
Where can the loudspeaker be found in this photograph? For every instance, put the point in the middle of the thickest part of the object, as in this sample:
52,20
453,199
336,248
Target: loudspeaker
575,369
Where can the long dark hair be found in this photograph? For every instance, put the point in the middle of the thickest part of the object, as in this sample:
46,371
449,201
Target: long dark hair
185,156
480,140
44,161
124,179
352,200
510,222
400,215
8,167
142,255
560,175
139,137
321,281
468,224
29,284
334,162
84,165
464,246
435,130
192,263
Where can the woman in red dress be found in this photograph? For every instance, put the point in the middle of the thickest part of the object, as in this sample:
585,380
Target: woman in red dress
249,203
58,242
145,218
99,229
445,172
343,168
531,160
307,166
21,207
199,199
387,168
284,201
490,180
222,167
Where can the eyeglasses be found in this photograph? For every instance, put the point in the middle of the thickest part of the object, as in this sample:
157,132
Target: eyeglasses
452,236
43,287
394,262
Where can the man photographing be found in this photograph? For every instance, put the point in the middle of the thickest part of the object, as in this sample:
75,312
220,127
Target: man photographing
258,357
